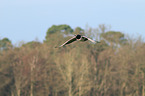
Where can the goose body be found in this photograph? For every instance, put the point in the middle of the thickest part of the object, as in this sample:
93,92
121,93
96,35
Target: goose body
77,38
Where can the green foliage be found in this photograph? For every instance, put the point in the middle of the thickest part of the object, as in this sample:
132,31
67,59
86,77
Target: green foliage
114,37
5,44
58,29
79,30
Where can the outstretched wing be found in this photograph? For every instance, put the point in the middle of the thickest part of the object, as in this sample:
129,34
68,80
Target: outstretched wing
86,38
69,41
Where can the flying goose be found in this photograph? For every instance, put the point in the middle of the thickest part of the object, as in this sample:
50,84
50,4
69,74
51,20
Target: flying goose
77,38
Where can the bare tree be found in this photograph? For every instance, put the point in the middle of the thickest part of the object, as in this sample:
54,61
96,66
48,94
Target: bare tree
21,75
74,69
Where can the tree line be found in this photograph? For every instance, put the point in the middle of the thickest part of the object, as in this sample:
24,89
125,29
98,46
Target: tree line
113,67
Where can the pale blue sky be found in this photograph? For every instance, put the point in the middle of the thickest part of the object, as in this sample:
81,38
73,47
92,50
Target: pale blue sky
29,19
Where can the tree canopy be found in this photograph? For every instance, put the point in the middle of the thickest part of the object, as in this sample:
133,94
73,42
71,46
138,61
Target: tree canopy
5,44
114,37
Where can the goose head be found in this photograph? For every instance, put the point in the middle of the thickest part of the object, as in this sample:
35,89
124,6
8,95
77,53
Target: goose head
78,37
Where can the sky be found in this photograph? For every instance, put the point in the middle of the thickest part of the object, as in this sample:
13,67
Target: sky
26,20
